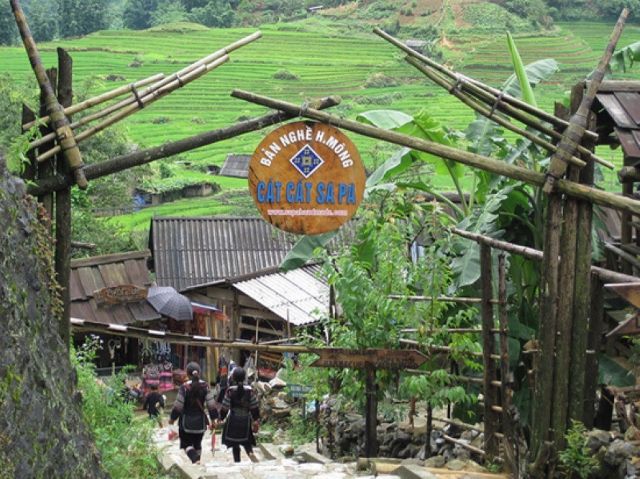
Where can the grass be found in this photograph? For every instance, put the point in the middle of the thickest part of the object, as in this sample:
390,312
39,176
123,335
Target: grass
326,57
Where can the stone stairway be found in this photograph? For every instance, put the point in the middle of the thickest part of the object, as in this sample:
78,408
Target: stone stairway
305,463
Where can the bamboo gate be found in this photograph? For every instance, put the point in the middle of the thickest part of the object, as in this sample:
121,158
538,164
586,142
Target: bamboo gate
571,305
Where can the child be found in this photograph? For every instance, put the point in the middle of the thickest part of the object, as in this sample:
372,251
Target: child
152,403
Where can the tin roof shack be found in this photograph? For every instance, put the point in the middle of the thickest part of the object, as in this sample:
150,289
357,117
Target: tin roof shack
268,305
236,166
112,289
617,109
195,251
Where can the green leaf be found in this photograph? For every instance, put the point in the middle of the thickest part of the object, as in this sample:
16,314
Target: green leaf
536,72
387,119
521,74
395,165
613,374
303,250
624,58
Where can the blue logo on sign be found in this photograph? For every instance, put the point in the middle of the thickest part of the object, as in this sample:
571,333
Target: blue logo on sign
306,161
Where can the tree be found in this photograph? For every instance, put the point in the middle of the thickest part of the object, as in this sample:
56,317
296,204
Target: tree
8,29
137,13
216,13
168,11
81,17
43,17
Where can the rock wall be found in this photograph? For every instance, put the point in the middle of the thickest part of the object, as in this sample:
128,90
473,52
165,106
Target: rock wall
42,434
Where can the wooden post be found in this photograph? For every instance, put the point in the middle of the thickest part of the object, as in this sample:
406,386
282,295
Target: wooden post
505,374
544,362
578,396
491,418
594,343
427,443
63,205
32,168
47,169
371,414
564,322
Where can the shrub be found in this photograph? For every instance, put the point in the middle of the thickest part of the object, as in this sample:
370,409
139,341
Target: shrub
380,80
285,75
125,444
576,456
160,120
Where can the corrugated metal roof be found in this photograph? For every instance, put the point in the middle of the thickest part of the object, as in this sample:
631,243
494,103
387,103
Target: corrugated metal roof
236,166
91,274
622,104
299,296
197,251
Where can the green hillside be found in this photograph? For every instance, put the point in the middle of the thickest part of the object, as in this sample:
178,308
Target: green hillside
326,59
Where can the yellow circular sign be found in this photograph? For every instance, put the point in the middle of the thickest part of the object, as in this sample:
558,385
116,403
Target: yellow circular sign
306,178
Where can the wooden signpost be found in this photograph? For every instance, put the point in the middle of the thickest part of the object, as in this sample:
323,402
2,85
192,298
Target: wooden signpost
306,178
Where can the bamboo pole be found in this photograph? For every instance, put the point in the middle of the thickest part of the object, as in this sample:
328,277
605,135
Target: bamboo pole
60,124
444,299
490,114
120,163
97,100
471,159
537,255
572,136
464,80
144,101
136,97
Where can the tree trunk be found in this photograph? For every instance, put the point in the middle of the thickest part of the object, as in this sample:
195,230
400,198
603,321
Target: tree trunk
42,432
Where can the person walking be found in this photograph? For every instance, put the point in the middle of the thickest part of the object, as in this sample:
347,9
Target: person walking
152,404
242,413
189,410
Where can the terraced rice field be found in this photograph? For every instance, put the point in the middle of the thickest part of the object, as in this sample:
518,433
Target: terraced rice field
327,62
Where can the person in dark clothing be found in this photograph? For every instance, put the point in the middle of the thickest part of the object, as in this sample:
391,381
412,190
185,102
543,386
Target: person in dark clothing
189,410
240,408
152,403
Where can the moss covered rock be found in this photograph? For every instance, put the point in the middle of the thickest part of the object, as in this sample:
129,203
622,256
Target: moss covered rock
42,433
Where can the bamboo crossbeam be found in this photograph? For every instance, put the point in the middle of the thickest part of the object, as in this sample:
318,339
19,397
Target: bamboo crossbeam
490,113
471,159
137,158
97,100
177,76
434,349
522,105
537,255
445,299
464,445
60,123
449,330
146,100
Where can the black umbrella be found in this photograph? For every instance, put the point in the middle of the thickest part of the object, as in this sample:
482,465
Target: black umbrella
168,302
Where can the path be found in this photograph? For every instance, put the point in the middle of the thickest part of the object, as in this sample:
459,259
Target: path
304,465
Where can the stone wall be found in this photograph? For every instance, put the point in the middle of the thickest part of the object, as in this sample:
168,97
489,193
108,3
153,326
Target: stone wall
42,434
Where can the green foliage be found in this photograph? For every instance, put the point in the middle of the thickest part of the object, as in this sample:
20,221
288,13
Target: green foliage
285,75
623,59
137,14
380,80
576,457
81,17
168,11
485,16
125,444
8,29
216,13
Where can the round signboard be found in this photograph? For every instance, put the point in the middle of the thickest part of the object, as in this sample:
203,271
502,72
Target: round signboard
306,178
